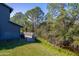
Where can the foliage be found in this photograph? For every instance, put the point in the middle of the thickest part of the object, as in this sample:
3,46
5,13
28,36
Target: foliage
64,22
35,15
17,18
58,26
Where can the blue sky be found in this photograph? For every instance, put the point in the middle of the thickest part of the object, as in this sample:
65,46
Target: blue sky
23,7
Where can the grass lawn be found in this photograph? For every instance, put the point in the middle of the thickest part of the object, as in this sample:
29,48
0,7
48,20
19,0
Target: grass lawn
41,48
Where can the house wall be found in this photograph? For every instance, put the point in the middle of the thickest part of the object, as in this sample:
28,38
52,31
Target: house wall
7,29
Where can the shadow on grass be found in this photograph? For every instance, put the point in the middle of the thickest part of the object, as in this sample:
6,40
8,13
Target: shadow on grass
10,44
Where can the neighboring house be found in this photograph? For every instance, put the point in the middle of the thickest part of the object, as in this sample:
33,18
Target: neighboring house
29,36
8,30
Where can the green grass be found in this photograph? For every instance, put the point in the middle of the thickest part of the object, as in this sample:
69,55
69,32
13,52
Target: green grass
41,48
57,50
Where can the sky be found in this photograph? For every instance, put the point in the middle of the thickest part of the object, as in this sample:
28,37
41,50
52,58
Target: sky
23,7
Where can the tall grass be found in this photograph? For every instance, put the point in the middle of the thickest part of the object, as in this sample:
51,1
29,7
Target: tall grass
57,50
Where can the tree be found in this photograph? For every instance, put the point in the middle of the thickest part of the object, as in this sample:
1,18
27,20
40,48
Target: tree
18,18
54,9
66,16
21,19
35,15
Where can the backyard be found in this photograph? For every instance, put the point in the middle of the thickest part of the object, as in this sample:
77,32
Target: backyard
37,31
38,48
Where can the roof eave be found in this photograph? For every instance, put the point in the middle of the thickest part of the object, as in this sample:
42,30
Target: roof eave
11,9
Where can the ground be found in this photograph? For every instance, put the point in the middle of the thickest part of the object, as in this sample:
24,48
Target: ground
39,48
